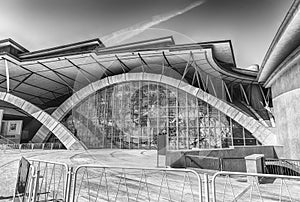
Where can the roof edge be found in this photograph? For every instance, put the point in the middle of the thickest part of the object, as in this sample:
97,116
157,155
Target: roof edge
282,28
61,48
14,43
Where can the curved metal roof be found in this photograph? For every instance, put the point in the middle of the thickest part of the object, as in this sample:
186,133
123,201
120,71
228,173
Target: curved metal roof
41,77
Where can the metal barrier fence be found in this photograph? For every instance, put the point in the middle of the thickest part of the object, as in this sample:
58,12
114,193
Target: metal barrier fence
236,186
49,181
53,180
26,192
99,183
289,167
31,146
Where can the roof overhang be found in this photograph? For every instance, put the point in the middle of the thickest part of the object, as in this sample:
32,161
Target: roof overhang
41,77
286,40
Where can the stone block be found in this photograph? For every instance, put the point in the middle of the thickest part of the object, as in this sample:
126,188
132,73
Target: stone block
57,115
187,88
50,123
38,137
195,91
152,77
134,76
116,79
18,102
254,163
213,101
200,94
42,117
31,109
72,145
205,96
224,107
44,130
2,95
41,135
85,92
170,81
65,107
252,125
58,132
243,120
238,116
97,85
232,112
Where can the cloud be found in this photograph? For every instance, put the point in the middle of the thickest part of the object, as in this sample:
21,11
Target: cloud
129,32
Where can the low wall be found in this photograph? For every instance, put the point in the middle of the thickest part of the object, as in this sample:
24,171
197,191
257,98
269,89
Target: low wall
232,158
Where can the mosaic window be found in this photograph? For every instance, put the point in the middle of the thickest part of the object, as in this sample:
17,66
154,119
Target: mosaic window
132,115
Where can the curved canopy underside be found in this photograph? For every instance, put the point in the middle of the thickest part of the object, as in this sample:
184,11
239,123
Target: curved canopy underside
43,81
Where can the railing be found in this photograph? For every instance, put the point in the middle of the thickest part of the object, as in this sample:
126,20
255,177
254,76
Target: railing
4,140
236,186
31,146
98,183
289,167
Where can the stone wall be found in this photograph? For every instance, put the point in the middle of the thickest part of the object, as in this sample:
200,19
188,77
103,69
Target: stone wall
236,163
286,102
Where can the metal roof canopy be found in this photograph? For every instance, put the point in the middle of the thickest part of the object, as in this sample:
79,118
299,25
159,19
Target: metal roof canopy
43,76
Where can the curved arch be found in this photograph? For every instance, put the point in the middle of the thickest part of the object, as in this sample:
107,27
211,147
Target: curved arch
48,122
260,132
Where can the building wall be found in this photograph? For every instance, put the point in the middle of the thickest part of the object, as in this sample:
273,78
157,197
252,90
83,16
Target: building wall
286,102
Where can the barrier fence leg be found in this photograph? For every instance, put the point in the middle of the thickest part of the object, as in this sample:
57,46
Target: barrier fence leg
31,182
206,187
34,187
68,185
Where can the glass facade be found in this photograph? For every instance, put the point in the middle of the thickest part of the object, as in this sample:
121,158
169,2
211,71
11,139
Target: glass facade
132,115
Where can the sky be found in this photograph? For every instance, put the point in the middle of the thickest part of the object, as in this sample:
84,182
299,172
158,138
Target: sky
249,24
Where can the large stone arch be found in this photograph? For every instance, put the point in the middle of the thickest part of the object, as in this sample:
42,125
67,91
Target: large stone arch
48,122
259,131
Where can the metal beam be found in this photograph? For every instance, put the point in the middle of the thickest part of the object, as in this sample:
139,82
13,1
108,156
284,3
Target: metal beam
58,74
213,87
21,66
101,65
186,67
227,91
244,93
21,92
122,63
23,80
80,70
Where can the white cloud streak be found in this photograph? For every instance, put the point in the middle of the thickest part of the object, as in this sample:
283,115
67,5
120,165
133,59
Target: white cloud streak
129,32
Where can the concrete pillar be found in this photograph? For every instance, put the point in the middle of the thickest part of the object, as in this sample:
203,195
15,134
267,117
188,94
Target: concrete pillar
286,107
254,163
287,116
